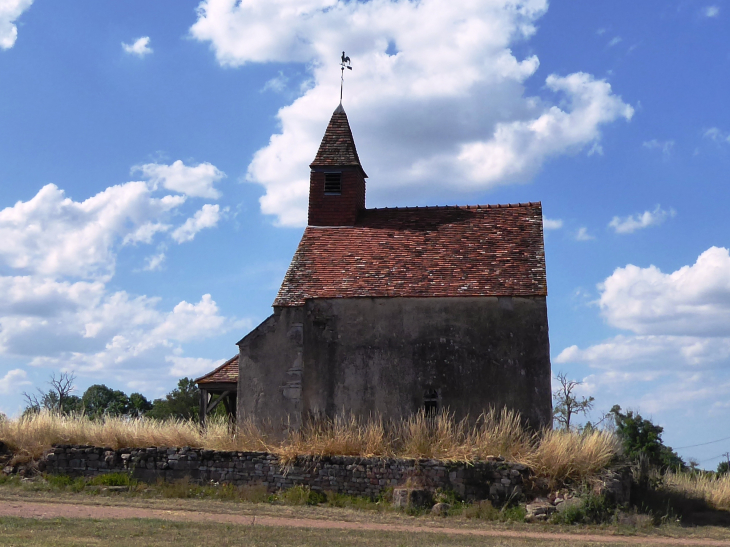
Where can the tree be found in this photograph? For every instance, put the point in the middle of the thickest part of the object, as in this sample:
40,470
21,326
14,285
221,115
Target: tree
566,405
723,468
139,405
182,402
99,400
56,399
642,438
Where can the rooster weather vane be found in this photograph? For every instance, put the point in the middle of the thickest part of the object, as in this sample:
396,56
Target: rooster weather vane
345,64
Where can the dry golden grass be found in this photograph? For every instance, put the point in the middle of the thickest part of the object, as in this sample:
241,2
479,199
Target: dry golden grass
562,455
556,456
714,490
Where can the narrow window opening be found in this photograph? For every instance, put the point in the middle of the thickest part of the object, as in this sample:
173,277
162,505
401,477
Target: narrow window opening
430,402
333,184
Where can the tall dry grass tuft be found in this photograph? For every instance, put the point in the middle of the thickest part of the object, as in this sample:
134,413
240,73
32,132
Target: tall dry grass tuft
562,456
557,456
502,434
29,436
713,489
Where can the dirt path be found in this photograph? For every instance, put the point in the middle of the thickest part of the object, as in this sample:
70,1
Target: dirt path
40,510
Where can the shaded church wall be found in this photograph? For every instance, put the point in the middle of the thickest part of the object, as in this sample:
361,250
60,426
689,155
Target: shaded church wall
393,356
270,370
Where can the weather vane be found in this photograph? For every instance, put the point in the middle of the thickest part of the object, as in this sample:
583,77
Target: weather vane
345,64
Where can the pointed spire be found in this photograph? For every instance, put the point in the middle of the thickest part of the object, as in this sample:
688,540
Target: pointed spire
338,146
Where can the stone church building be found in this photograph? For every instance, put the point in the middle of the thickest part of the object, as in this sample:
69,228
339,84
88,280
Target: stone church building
394,310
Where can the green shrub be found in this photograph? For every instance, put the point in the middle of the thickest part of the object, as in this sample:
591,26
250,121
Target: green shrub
591,510
483,510
301,495
59,481
112,479
515,513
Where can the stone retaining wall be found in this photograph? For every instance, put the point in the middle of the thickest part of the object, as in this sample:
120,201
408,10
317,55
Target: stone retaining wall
495,479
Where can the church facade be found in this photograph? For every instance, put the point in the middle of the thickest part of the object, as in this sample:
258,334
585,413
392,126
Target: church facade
390,311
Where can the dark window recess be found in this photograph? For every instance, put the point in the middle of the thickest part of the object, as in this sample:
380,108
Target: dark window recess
430,402
333,183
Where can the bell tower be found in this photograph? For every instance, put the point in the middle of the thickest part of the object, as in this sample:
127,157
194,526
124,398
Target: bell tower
336,180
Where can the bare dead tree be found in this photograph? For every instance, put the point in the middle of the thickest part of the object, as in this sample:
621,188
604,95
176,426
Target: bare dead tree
565,404
55,399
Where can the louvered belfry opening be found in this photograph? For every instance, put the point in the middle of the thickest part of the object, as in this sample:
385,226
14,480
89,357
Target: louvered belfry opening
337,180
332,184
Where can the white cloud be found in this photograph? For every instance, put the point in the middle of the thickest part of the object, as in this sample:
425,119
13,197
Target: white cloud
13,380
154,262
194,181
207,217
679,334
52,235
551,224
715,134
583,235
694,300
57,257
276,84
120,333
446,112
711,11
140,47
664,146
615,41
10,10
192,366
631,223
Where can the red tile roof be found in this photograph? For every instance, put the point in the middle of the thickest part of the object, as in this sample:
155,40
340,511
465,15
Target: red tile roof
337,148
224,374
492,250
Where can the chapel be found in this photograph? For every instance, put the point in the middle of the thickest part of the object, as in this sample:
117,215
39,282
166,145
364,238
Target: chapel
392,310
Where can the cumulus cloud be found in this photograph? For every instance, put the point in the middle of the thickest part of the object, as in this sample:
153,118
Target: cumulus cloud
194,181
120,333
13,380
551,224
679,330
10,10
694,300
436,97
52,235
207,217
57,258
631,223
139,47
711,11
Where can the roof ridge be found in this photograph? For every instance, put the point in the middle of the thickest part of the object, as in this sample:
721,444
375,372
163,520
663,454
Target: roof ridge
486,206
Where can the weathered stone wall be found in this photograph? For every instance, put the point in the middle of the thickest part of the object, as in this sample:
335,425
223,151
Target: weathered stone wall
389,355
495,479
270,371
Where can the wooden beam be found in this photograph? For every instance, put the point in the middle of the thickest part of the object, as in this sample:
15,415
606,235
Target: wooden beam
214,403
203,406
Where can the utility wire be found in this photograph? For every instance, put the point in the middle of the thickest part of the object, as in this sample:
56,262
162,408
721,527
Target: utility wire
710,459
702,444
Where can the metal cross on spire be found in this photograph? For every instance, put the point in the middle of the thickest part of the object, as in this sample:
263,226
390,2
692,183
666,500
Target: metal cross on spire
345,64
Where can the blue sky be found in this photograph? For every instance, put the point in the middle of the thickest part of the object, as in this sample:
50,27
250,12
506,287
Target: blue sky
153,176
